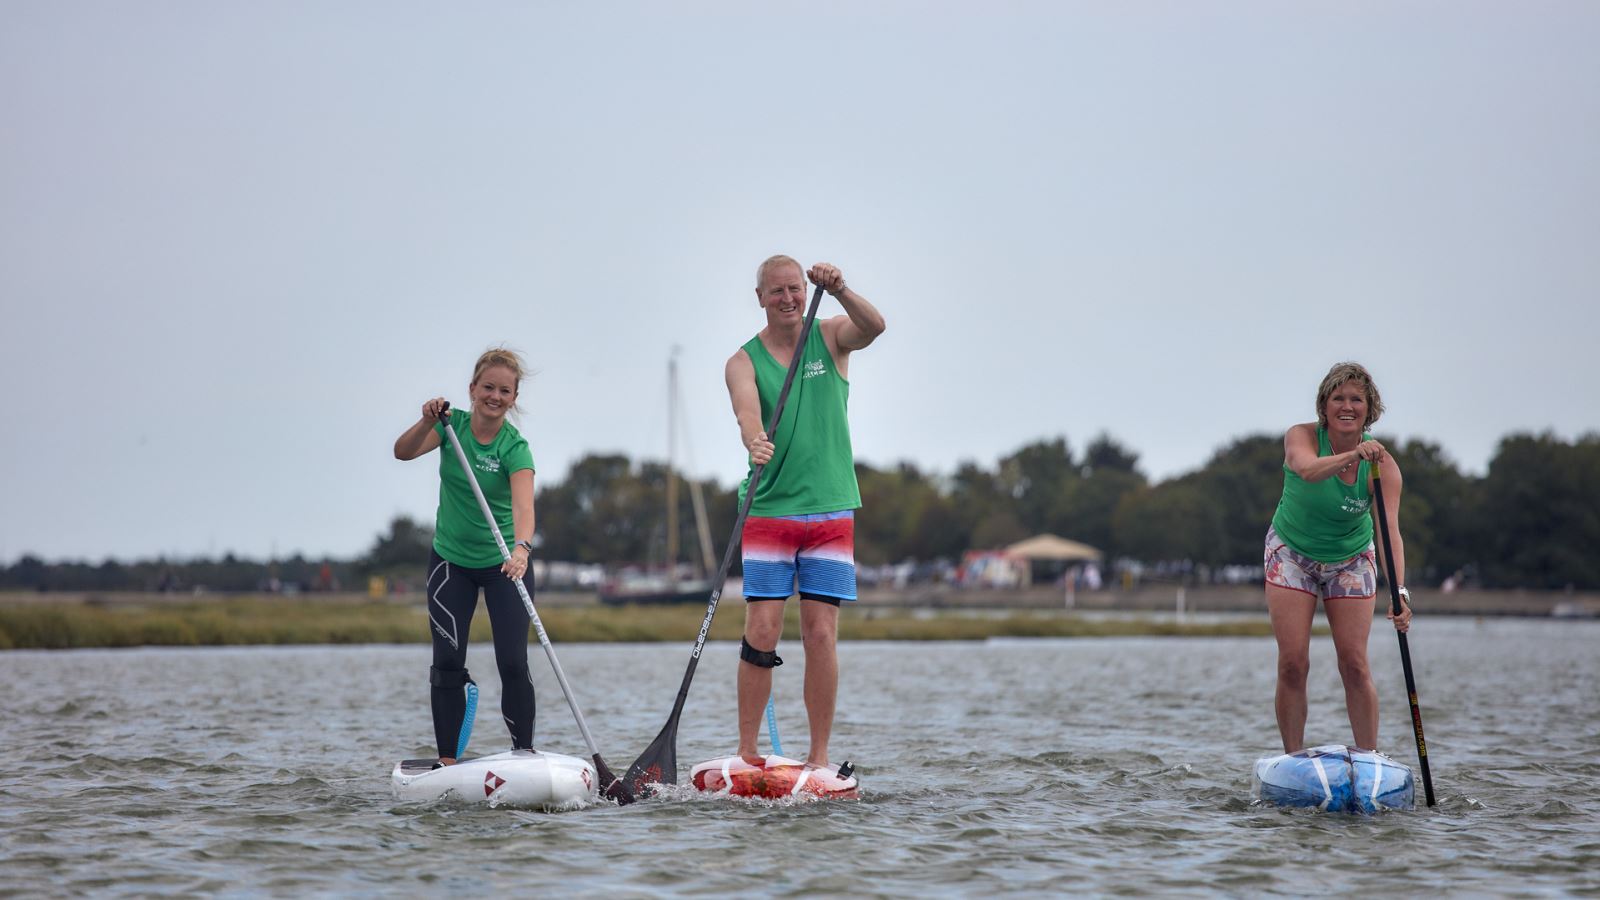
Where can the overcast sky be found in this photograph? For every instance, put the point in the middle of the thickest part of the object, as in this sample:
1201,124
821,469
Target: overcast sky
241,243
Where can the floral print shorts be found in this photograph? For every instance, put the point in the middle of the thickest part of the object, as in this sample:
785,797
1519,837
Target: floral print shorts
1356,577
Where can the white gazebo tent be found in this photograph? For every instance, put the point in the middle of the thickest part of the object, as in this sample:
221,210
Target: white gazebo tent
1054,551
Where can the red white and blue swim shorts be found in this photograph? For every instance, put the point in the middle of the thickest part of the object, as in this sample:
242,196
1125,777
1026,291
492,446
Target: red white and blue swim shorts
817,549
1356,577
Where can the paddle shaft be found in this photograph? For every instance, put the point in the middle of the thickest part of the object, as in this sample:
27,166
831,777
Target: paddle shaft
667,738
744,508
1405,648
607,779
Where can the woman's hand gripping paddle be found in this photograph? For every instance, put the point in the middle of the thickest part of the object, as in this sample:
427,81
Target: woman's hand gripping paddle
1405,649
610,785
659,762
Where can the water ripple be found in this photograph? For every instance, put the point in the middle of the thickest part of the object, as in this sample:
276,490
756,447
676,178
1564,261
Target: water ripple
1116,766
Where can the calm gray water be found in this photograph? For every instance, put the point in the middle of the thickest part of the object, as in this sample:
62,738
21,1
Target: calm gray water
1010,767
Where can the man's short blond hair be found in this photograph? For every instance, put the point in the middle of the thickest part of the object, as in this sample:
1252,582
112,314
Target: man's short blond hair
774,261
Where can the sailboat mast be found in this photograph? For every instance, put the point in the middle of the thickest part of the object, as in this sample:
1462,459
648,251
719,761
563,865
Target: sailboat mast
672,472
708,560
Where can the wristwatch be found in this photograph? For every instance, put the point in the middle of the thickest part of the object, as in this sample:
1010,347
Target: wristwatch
528,546
1405,595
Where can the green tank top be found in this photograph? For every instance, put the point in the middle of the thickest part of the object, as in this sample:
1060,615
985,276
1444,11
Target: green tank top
812,468
1326,520
460,535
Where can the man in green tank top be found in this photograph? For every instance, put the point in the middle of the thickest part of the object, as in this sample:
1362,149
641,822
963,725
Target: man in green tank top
801,525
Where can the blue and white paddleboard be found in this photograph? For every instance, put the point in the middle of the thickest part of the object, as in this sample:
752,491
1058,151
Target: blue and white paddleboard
1333,778
522,778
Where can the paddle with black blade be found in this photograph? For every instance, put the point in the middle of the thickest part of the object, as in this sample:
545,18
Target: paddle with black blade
611,786
659,762
1405,648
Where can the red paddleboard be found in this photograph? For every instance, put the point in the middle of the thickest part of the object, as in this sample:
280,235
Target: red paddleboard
777,777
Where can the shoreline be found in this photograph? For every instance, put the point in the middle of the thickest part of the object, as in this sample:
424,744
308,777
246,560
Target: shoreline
100,621
85,620
1165,597
1152,597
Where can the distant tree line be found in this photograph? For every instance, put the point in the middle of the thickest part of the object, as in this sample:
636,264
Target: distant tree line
1532,520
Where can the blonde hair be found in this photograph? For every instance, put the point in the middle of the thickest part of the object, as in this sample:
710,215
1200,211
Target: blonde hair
502,356
1336,378
772,262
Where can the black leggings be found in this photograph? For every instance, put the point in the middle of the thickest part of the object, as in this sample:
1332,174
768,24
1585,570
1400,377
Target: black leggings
452,598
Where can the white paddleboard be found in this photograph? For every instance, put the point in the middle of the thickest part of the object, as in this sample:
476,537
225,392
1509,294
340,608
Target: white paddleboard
523,778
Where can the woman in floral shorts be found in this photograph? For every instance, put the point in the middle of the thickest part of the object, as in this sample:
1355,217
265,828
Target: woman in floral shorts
1320,547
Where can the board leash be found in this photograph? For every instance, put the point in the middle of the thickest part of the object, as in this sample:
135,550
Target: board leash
772,727
467,719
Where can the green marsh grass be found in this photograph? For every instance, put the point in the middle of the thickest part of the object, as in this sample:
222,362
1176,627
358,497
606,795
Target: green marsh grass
78,622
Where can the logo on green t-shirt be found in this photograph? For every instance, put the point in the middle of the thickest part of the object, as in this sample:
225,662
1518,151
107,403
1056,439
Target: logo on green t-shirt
460,534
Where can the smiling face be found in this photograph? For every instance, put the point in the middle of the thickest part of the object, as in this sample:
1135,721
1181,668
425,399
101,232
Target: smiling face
494,392
1345,411
1348,401
782,292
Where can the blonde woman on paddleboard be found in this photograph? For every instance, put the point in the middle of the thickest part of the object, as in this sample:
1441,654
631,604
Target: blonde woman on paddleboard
1320,547
465,558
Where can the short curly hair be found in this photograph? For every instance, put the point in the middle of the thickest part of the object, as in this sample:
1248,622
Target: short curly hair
1336,378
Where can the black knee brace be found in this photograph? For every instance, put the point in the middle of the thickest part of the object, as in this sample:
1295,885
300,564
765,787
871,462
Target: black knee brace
448,678
766,659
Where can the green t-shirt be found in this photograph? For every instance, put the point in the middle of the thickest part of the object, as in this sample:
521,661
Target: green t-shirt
1327,520
460,534
812,468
